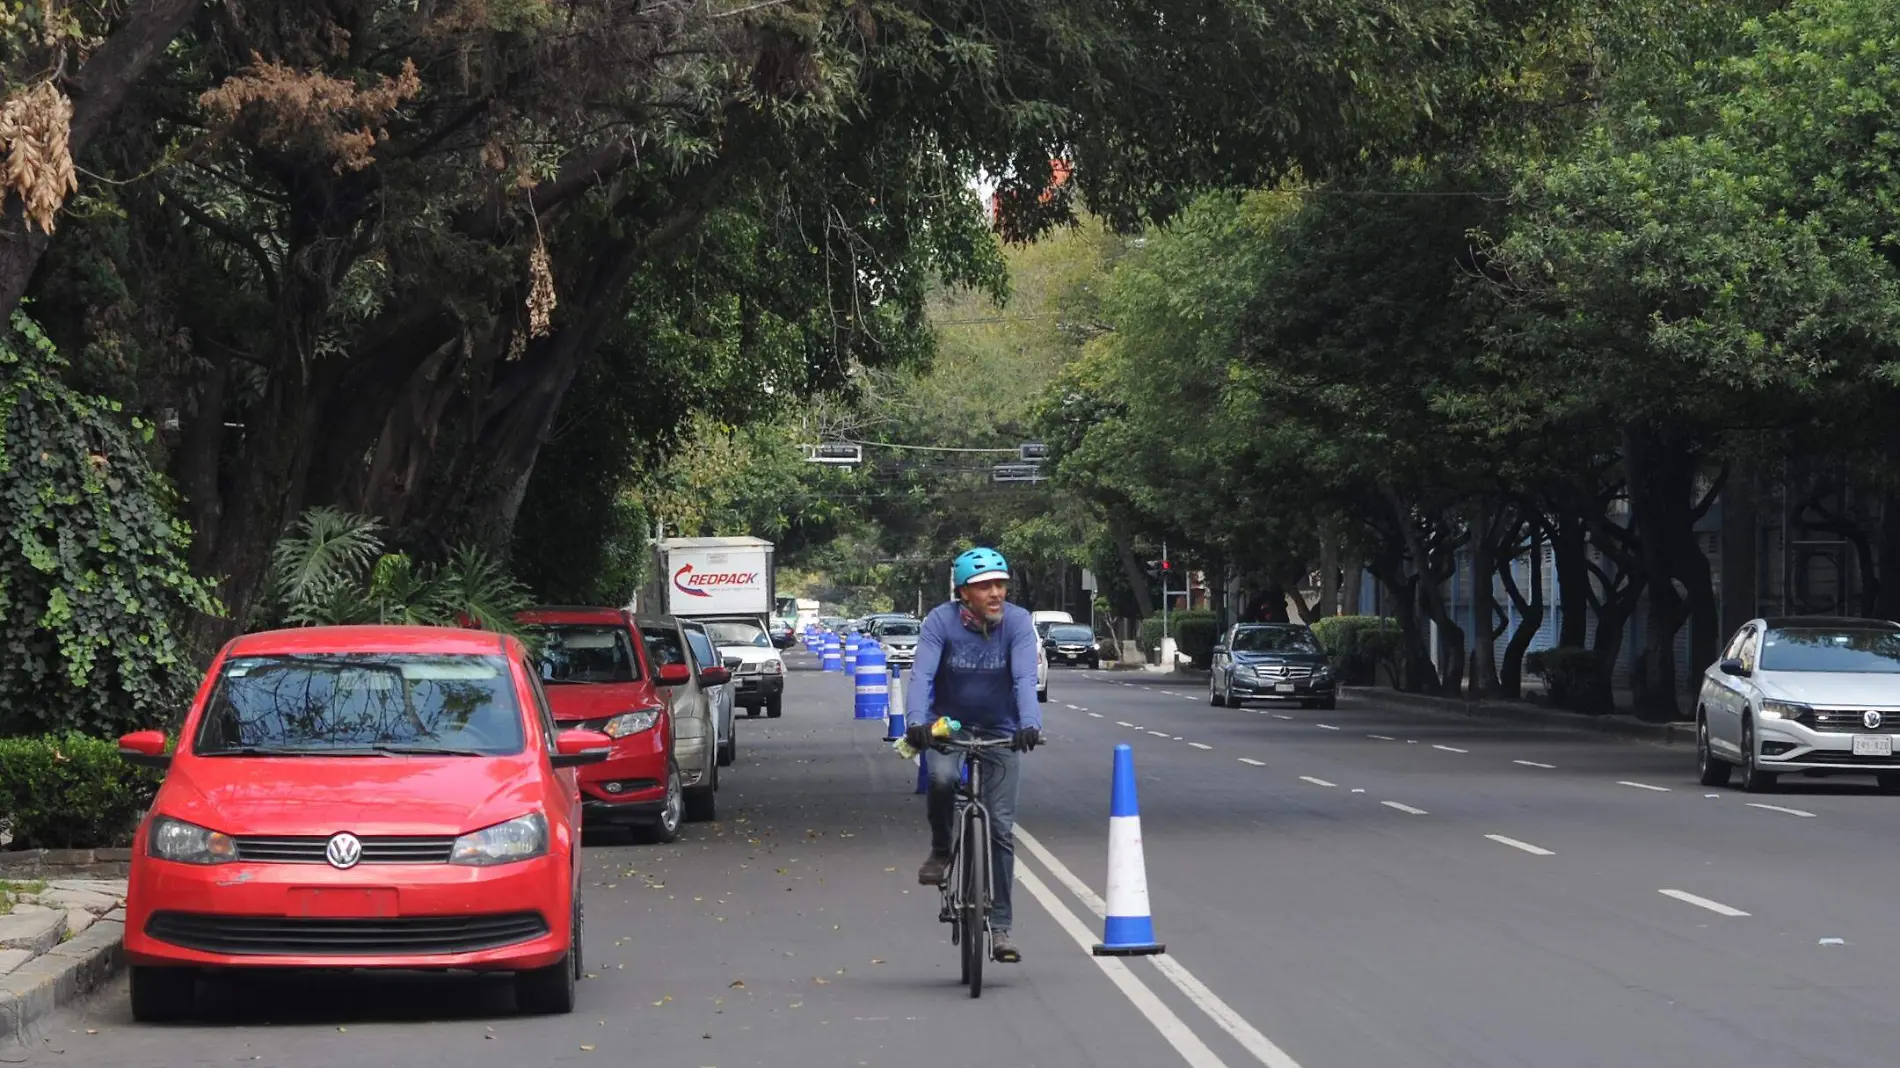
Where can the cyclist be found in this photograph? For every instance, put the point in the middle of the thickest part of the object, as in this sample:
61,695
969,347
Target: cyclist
976,663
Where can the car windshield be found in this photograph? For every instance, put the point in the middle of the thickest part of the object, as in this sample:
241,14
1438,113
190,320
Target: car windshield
901,628
362,704
1071,634
583,653
1274,640
738,634
1858,649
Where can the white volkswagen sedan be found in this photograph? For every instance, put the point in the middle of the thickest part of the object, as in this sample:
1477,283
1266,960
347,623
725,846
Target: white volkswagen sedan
1808,695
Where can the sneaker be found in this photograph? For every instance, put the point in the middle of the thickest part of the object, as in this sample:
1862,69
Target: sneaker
931,874
1003,949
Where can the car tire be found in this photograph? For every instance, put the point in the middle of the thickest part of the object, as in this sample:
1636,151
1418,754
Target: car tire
1889,782
1042,696
774,706
1326,704
552,991
665,829
161,995
1710,770
729,752
1754,779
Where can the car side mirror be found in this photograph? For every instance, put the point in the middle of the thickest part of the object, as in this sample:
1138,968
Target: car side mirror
146,749
1732,666
675,674
574,748
715,676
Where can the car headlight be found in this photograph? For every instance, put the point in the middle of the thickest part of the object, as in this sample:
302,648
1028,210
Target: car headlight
521,838
188,843
628,723
1324,673
1783,710
775,667
1245,669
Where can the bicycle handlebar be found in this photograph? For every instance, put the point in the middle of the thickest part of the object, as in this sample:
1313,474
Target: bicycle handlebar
955,745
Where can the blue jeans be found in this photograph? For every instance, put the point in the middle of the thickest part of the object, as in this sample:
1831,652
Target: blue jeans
1000,780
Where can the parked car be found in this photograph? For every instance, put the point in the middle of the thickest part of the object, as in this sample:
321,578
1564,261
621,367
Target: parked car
687,685
1271,660
1810,694
598,676
782,633
723,695
361,797
1042,673
760,670
1071,643
899,639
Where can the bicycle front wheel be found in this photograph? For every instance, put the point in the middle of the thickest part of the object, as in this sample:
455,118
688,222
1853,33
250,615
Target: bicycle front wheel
976,899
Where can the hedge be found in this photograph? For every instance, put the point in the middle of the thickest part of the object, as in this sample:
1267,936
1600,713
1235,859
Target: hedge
1358,645
1573,677
71,791
1194,634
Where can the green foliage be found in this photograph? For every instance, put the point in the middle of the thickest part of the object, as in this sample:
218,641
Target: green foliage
71,791
94,588
1573,678
331,569
1357,645
1195,634
1148,638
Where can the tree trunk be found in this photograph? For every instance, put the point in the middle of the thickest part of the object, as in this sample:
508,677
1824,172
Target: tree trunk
1131,567
1432,572
1661,486
1570,555
1354,587
1328,572
1486,560
1887,597
1511,673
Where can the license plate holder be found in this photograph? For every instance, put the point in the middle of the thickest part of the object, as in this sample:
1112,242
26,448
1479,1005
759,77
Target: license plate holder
344,902
1873,745
1283,687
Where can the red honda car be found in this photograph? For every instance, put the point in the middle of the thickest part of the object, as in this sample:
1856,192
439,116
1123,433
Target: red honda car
599,677
361,797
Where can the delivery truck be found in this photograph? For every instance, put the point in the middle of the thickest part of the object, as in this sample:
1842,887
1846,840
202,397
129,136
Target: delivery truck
715,578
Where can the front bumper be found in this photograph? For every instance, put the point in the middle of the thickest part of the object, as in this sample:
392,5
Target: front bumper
262,915
633,774
1071,656
905,655
1270,686
750,691
1820,752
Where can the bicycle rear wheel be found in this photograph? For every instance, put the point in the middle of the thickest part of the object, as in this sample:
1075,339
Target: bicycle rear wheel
976,895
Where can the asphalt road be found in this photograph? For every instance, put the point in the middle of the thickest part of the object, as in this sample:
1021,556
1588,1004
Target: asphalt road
1368,887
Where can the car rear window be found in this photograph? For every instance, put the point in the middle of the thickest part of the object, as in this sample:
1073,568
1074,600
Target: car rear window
738,634
1071,634
586,652
344,703
1856,649
1274,640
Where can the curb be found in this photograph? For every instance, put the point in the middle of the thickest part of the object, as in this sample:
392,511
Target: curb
65,974
1514,712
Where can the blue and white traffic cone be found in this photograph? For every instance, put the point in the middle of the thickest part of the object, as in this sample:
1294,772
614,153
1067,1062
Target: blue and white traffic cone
894,728
1128,929
833,660
851,655
871,689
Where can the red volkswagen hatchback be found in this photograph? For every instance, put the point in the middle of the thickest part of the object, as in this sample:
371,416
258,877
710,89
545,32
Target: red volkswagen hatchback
361,797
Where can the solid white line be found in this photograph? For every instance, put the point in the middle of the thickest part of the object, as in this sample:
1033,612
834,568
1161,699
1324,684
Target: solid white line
1778,808
1383,737
1316,782
1405,808
1643,786
1702,902
1525,846
1263,1048
1178,1034
1326,726
1198,745
1534,764
1255,763
1095,715
1277,715
1451,749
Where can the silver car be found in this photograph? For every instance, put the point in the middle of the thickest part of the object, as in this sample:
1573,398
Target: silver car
1808,695
899,639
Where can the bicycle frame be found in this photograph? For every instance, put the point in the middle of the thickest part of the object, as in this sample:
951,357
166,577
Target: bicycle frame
971,850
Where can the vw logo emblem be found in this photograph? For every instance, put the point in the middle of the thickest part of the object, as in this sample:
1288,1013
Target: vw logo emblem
1870,720
346,849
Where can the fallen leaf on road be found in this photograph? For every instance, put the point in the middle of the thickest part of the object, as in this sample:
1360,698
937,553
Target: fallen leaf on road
587,1049
876,960
92,1030
664,999
736,983
798,1005
890,869
821,982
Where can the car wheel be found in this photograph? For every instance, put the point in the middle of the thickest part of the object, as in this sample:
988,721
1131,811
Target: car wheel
666,828
160,995
1889,782
774,706
752,711
1042,696
550,991
1709,770
728,751
1328,703
1754,779
1213,694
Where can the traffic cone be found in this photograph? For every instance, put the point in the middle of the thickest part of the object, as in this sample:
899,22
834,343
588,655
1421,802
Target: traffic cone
895,729
1128,929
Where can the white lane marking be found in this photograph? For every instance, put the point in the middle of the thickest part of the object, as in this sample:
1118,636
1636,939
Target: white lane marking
1405,808
1177,737
1072,708
1198,745
1123,723
1316,782
1326,726
1534,764
1643,786
1263,1048
1277,715
1158,734
1255,763
1702,902
1095,715
1451,749
1172,1028
1383,737
1525,846
1778,808
1171,693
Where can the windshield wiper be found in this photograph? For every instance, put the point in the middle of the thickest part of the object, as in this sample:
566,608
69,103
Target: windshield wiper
427,750
258,750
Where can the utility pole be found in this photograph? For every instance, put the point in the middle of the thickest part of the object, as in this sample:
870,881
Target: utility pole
1164,590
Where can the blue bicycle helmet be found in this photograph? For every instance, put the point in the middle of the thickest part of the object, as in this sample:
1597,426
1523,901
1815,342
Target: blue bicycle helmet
978,565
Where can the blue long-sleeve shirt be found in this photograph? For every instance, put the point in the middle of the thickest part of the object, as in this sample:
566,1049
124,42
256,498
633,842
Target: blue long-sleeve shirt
986,681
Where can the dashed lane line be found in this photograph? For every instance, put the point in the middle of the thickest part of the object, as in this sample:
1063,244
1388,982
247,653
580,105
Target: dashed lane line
1326,726
1198,745
1405,808
1255,763
1702,902
1277,715
1643,786
1095,715
1383,737
1778,808
1538,851
1534,764
1316,782
1451,749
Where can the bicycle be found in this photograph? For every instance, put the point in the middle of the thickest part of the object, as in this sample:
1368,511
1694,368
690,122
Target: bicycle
967,890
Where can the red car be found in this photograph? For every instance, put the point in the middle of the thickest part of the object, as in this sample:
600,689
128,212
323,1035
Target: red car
361,797
599,677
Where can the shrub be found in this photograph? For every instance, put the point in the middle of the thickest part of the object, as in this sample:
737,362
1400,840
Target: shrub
1358,645
1573,678
71,791
94,584
1148,638
1194,634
